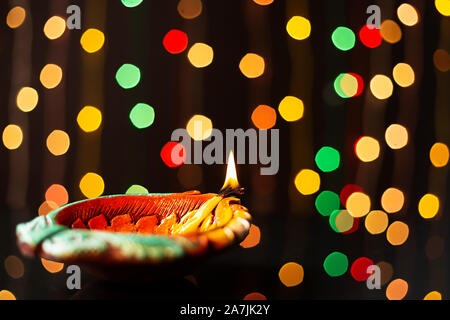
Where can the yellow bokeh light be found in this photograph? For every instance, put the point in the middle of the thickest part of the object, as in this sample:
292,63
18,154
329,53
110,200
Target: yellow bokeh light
307,182
443,6
349,85
397,233
433,295
291,274
367,149
390,31
344,221
396,136
404,75
16,16
92,40
89,119
358,204
263,2
6,295
376,222
12,137
200,55
299,28
429,206
92,185
52,266
381,87
407,14
397,289
54,27
392,200
58,142
291,109
27,99
199,127
190,9
439,155
252,65
51,76
46,207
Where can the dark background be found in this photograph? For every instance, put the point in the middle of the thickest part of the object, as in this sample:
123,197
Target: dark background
291,228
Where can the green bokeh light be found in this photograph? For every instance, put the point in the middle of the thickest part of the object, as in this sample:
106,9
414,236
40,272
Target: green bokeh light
328,159
336,264
131,3
327,202
137,189
337,86
128,76
343,38
142,116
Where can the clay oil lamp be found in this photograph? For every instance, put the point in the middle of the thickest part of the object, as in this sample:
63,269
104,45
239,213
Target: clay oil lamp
140,237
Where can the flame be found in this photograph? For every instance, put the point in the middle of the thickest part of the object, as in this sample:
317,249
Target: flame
231,177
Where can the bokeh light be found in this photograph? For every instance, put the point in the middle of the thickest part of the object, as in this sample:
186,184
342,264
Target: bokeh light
387,271
343,38
46,207
131,3
291,274
142,116
200,55
348,190
327,202
397,233
264,117
358,204
328,159
89,119
441,60
12,137
370,36
54,27
392,200
429,206
298,28
252,65
52,266
307,182
376,222
51,76
263,2
92,40
173,154
175,41
407,14
397,289
58,194
367,149
390,31
137,189
58,142
27,99
6,295
291,109
16,16
255,296
253,238
439,155
14,267
92,185
128,76
341,221
433,295
396,136
199,127
381,87
404,75
190,9
348,85
358,270
443,7
335,264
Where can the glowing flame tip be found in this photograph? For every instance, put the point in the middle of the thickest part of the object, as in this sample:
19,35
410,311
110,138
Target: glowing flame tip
231,177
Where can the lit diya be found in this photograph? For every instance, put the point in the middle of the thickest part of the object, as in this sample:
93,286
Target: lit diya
150,234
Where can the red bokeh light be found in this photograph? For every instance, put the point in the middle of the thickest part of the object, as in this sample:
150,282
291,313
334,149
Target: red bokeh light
370,36
175,41
347,191
360,83
173,154
359,269
354,227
